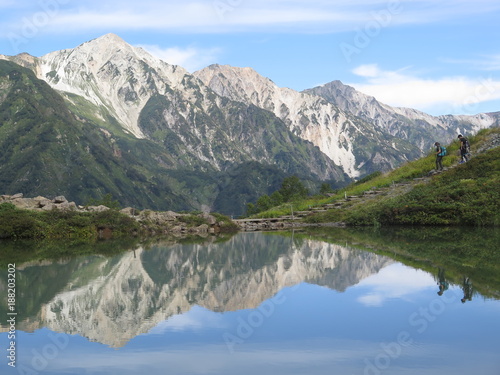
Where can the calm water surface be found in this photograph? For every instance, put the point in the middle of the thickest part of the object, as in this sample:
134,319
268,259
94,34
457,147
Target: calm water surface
256,304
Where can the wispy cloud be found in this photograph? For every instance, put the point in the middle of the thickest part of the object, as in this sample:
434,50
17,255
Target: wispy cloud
459,95
486,63
190,58
230,16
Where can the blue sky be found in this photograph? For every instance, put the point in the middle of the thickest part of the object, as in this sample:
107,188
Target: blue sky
437,56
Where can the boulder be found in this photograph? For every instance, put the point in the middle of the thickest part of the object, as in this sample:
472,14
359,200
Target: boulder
211,220
158,218
129,211
172,215
60,199
100,208
24,203
49,206
67,206
42,201
178,229
17,196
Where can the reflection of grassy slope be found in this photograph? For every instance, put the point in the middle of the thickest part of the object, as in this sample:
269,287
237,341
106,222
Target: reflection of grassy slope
37,285
21,251
460,251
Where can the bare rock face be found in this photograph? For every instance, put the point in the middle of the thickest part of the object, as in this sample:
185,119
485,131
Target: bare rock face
337,118
349,128
109,60
308,116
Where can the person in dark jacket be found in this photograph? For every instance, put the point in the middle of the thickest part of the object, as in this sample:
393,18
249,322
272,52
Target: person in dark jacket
464,148
439,157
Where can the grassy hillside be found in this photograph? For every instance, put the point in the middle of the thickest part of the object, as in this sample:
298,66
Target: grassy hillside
466,194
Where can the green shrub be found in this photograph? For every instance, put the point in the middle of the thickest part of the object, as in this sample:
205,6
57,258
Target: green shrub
7,207
16,223
193,220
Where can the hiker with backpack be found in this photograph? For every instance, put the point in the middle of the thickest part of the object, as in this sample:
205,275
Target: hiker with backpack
464,148
440,152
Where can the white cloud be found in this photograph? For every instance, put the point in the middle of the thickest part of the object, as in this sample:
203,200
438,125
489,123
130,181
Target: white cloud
190,58
394,281
371,70
460,95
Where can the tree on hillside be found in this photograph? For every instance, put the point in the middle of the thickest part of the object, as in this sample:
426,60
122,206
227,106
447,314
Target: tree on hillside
292,188
325,188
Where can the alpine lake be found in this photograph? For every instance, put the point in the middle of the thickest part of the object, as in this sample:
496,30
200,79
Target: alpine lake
330,301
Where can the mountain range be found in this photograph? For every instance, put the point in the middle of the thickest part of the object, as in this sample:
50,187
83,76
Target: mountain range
107,117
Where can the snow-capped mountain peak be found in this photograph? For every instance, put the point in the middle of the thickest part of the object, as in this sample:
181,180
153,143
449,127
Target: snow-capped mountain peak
110,73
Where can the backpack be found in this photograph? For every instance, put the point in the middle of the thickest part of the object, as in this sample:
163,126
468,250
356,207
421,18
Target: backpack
443,151
465,144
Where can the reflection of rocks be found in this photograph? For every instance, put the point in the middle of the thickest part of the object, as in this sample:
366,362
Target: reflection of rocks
113,300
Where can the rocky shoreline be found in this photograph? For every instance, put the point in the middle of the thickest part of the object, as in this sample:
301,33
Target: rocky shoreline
150,222
163,222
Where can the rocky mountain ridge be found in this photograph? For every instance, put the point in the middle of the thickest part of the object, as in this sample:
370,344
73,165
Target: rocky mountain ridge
401,122
191,158
149,98
337,133
172,127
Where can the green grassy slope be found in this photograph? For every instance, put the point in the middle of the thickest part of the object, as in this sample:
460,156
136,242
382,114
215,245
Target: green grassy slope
466,194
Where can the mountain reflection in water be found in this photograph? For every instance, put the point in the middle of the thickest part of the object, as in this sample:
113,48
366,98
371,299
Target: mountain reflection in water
111,300
256,303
